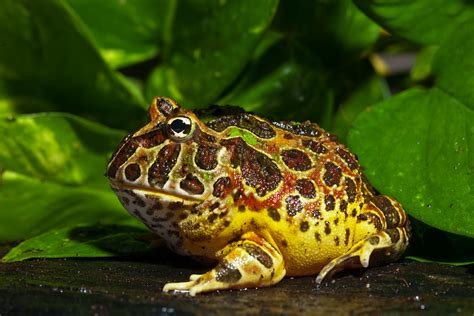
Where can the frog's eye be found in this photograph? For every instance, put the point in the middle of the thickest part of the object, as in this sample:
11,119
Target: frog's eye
180,128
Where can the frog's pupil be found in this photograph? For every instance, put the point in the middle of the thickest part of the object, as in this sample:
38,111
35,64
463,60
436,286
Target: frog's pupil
180,125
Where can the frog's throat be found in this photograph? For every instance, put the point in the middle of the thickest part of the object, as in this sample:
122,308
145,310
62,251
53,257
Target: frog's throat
116,185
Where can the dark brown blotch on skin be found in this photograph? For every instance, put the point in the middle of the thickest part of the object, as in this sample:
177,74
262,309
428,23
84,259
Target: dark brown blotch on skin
221,187
174,206
336,240
304,129
362,217
391,214
284,243
296,160
123,153
241,208
192,185
376,221
259,254
350,160
351,190
304,226
346,238
138,201
306,188
332,175
293,205
330,202
164,163
315,146
273,213
226,272
245,121
132,172
316,214
258,170
394,234
206,157
343,206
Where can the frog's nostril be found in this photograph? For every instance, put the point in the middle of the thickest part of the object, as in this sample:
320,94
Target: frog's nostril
132,172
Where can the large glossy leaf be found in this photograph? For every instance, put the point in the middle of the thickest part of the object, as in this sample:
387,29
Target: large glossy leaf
83,242
453,65
335,31
126,31
419,147
421,21
48,62
211,43
53,168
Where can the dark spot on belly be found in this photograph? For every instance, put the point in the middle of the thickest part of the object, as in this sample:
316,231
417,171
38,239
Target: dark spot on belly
211,218
306,188
259,254
336,240
258,170
327,228
343,206
304,226
336,221
346,238
330,202
284,243
192,185
350,160
174,206
354,212
221,187
165,161
241,208
206,157
315,146
362,217
138,201
273,213
332,175
296,159
351,190
317,236
293,205
226,272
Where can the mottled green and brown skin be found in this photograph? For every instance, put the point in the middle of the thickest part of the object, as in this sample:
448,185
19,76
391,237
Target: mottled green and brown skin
264,199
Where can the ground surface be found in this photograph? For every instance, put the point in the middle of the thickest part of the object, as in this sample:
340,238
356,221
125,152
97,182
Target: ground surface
133,286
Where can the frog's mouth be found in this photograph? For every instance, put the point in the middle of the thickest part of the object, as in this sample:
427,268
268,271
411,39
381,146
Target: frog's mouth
162,194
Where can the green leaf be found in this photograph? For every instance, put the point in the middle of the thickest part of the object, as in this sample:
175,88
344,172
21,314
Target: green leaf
422,71
53,174
126,31
421,21
419,147
48,62
453,65
370,91
83,241
212,41
336,31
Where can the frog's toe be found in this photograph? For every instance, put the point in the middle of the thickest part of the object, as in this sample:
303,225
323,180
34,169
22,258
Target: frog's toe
194,277
178,286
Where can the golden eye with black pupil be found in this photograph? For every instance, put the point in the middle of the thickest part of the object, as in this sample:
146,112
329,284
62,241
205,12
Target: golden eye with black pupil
180,128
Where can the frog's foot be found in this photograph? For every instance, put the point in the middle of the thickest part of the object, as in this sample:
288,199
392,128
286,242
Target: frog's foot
250,262
384,246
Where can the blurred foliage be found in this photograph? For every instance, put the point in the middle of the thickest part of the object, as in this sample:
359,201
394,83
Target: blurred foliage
76,74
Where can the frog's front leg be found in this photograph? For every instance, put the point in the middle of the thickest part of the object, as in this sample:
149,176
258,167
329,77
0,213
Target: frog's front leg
249,262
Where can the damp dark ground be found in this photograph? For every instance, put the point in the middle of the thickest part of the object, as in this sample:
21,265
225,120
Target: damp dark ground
133,286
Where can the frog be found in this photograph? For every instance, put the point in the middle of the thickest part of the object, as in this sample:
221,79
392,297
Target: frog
258,199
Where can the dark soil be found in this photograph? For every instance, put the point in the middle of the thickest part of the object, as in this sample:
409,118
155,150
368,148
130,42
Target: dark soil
133,286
